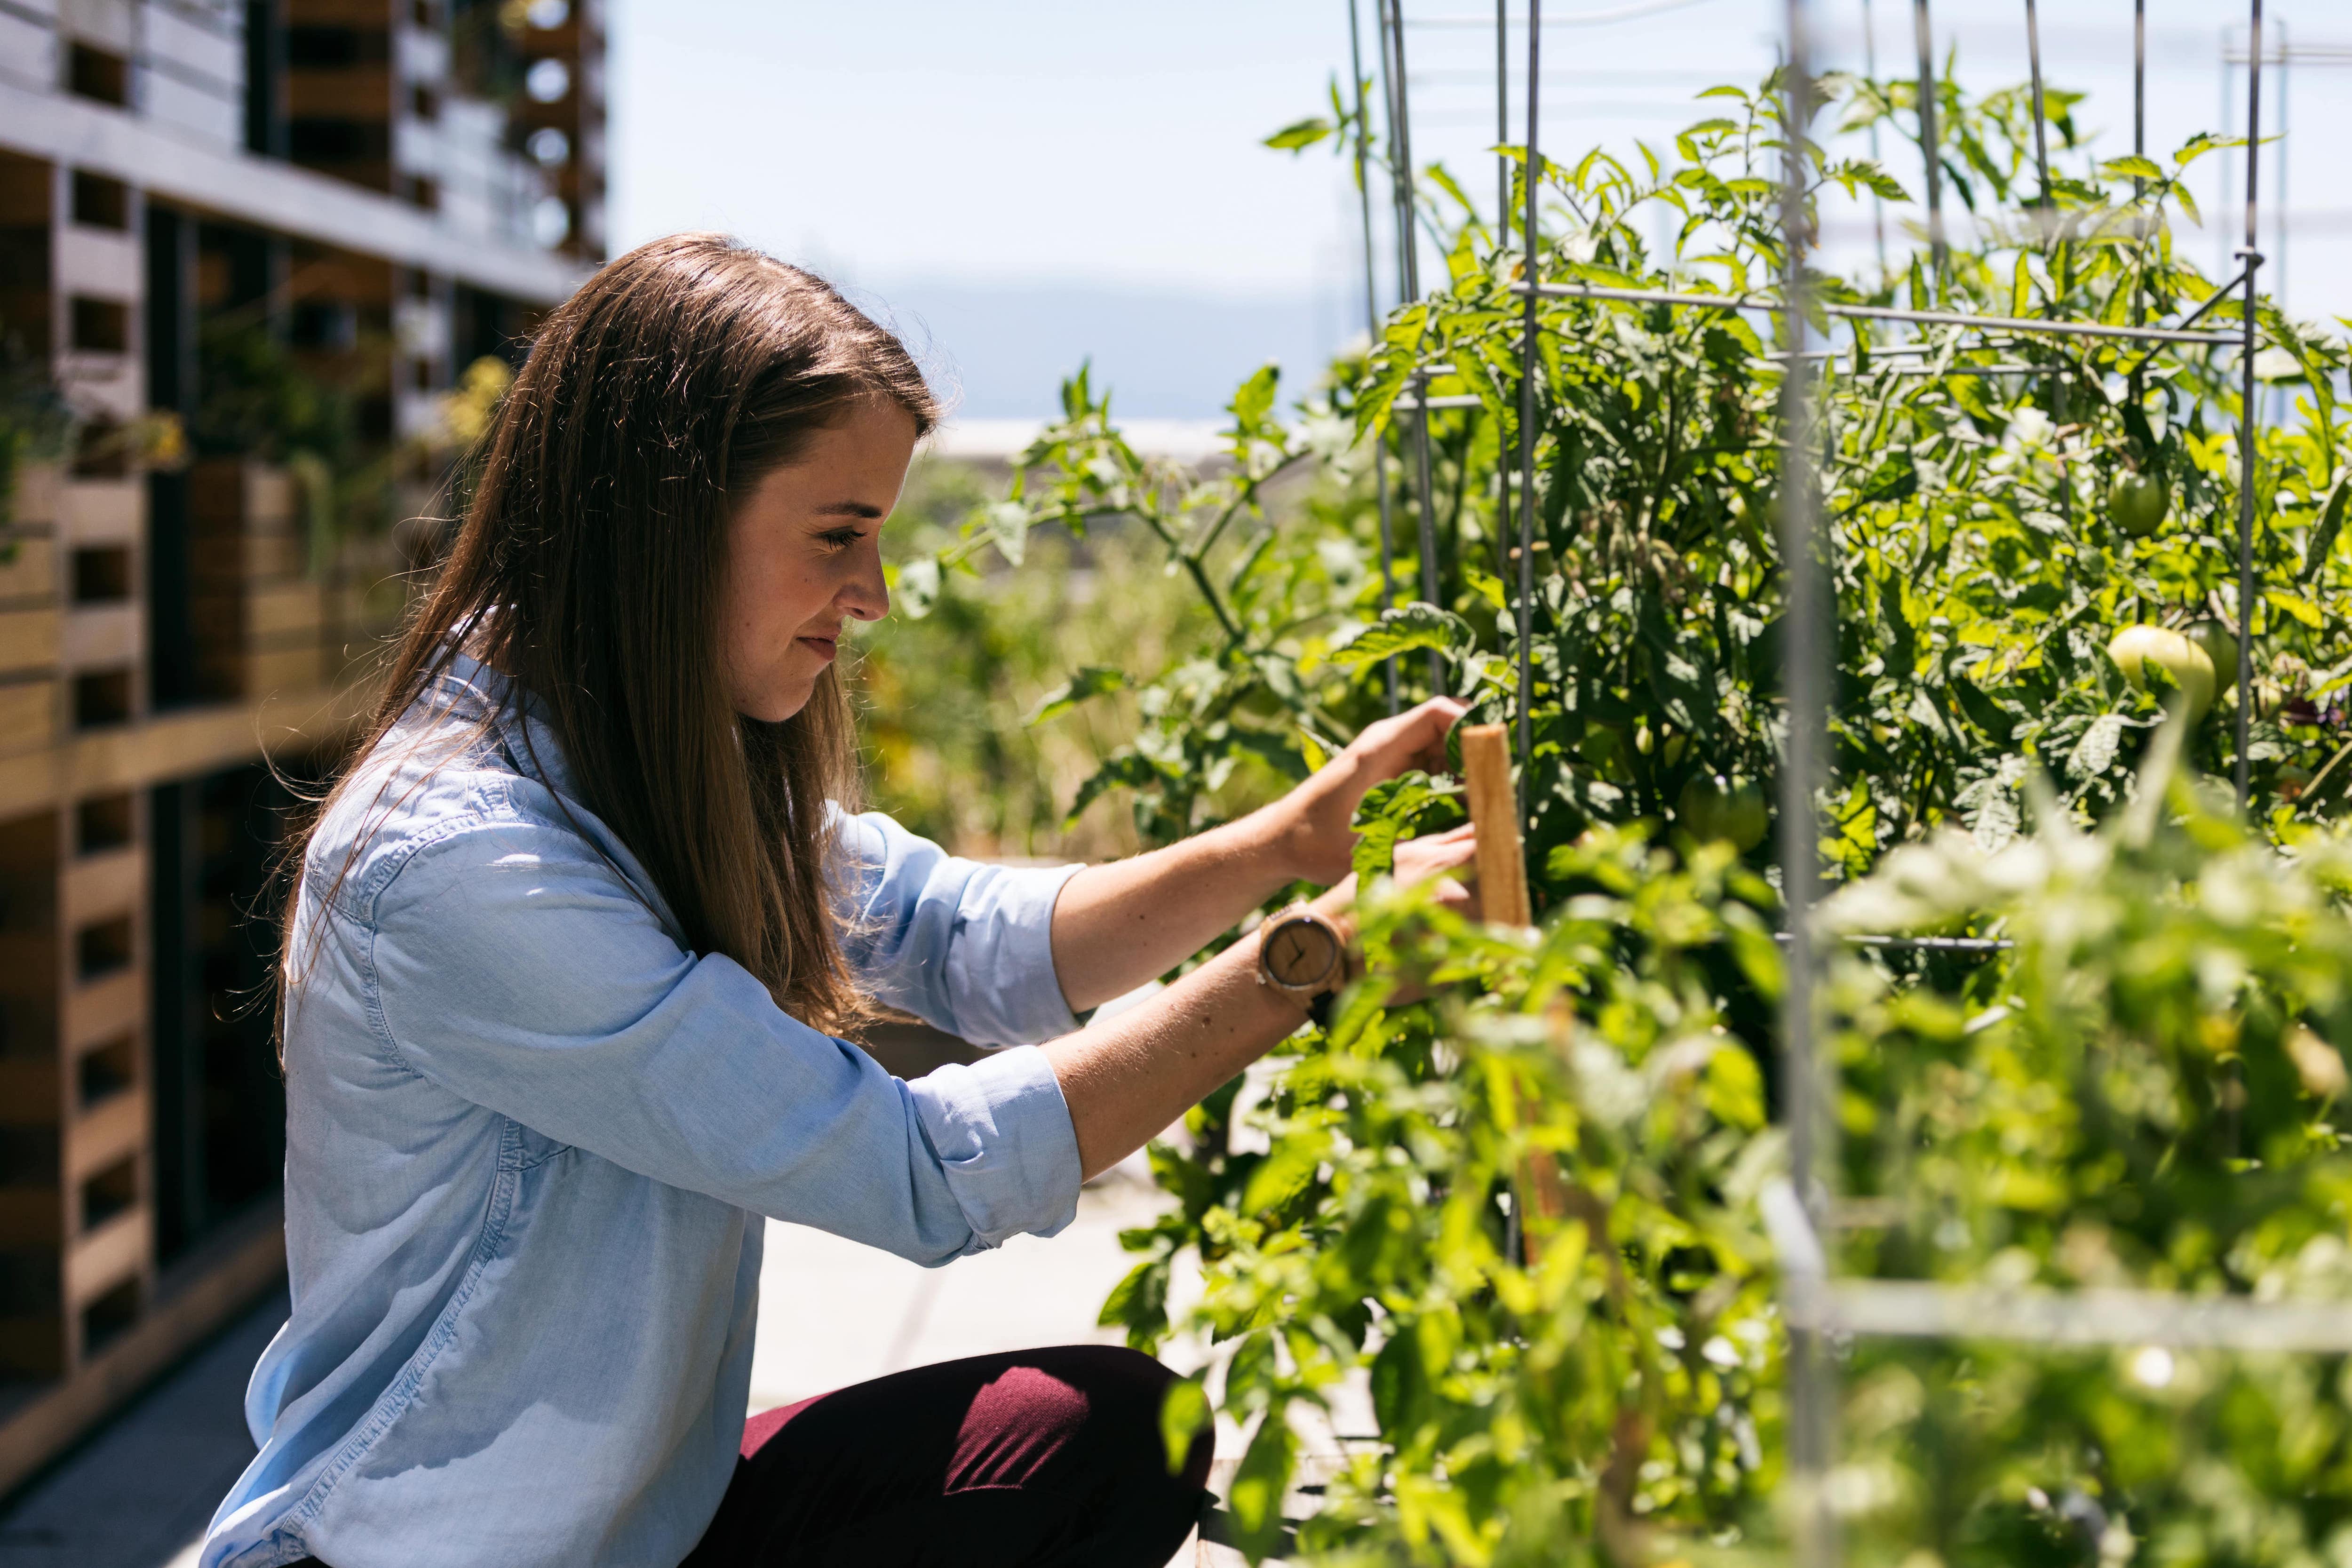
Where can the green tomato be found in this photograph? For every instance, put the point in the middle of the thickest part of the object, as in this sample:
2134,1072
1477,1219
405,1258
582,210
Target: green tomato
2138,504
1713,808
2190,666
2219,646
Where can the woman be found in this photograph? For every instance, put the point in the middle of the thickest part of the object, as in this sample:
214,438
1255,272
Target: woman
561,973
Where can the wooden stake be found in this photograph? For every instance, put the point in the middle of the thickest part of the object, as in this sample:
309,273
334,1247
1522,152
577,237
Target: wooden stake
1493,810
1502,894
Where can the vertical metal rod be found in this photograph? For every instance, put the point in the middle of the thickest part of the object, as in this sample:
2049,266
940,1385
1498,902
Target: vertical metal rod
1399,235
1869,69
1502,122
1806,680
1373,326
1528,364
2040,121
2139,147
2285,145
1513,1242
1812,1390
1502,245
2060,281
2246,401
1923,32
2229,186
2140,88
1408,212
1502,248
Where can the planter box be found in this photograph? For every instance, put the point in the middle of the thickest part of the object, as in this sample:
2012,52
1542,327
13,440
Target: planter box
28,639
31,573
28,714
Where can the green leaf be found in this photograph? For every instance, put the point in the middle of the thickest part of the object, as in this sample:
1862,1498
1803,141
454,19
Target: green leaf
1183,1414
1406,807
2130,167
1402,630
1735,1087
1093,681
1300,134
2301,608
1139,1303
1284,1173
1259,1483
1120,769
2324,531
1253,400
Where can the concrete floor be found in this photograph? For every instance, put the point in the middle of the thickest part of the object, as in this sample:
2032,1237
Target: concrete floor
139,1492
832,1313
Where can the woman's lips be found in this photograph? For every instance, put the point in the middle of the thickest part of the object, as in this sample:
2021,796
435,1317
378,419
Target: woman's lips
824,648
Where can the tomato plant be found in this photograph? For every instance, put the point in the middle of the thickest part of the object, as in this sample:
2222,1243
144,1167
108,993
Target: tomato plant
2138,1089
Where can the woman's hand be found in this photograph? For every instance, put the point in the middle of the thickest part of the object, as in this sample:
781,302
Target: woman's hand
1116,926
1315,822
1440,856
1418,860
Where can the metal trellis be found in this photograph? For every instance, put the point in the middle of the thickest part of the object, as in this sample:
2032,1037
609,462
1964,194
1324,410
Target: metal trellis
1797,1213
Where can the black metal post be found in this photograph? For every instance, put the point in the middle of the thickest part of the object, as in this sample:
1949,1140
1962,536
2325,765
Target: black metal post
1869,69
2139,146
2061,279
1372,328
1502,246
2040,121
1923,32
1502,122
1400,144
1528,361
2246,403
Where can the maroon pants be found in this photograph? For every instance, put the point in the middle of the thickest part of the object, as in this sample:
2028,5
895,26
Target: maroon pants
1047,1458
1040,1458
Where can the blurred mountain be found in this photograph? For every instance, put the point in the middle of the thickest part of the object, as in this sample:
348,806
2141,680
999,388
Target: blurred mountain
1001,352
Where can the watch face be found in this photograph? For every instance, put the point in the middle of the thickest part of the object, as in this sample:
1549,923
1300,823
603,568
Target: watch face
1301,953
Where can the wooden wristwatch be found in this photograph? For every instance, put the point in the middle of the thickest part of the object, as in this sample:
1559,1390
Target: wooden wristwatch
1303,955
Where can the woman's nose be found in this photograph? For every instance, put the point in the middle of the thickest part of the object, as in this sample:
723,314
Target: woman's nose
867,596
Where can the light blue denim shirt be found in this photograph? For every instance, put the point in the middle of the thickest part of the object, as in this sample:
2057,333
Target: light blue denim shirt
531,1138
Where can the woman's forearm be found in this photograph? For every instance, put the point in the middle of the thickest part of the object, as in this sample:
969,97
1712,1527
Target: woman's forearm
1119,925
1128,1078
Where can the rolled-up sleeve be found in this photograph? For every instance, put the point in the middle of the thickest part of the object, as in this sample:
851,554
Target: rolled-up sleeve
519,972
965,946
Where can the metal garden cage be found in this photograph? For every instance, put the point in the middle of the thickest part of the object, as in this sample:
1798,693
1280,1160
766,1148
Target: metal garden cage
1819,1305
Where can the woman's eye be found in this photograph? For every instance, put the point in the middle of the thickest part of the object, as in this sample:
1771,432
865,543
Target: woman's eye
839,537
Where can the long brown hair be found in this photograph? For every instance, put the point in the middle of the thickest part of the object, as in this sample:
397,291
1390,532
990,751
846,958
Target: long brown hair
590,566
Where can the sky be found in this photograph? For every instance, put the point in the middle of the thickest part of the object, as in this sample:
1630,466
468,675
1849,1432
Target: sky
1024,185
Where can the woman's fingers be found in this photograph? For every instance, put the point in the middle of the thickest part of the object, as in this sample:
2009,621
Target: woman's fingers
1414,739
1417,860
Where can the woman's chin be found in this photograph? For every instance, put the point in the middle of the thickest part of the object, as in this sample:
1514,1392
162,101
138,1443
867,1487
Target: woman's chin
777,704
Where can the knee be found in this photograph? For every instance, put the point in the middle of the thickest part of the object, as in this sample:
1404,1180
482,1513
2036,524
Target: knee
1129,1390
